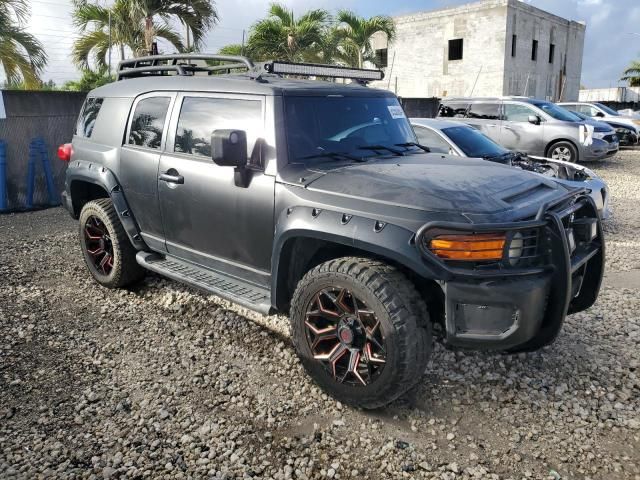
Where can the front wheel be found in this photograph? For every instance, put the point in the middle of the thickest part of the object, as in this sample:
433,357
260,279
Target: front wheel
361,330
564,151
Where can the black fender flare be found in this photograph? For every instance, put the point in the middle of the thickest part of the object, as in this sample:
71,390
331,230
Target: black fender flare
377,237
83,171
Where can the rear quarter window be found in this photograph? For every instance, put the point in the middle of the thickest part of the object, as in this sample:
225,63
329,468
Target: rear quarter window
88,116
453,109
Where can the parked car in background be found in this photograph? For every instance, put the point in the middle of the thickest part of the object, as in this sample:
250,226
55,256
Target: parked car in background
457,138
536,127
627,136
603,113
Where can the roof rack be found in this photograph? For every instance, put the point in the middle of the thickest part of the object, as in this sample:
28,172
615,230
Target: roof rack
181,64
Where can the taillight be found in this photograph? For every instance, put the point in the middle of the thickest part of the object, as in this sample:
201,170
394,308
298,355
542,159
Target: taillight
65,151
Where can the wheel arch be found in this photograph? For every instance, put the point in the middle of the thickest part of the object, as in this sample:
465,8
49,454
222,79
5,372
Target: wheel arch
87,181
303,242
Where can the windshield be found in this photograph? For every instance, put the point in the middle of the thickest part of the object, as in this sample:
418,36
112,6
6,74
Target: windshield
610,111
556,112
336,124
473,143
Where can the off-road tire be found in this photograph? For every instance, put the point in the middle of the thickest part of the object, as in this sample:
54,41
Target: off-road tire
125,271
403,318
564,147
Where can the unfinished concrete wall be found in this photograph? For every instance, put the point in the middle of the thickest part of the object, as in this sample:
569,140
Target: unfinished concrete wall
545,77
421,50
419,65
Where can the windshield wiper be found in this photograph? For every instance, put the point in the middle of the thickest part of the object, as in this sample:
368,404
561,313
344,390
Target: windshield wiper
413,144
334,156
381,147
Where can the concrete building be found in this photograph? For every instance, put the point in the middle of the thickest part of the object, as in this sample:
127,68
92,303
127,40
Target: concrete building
487,48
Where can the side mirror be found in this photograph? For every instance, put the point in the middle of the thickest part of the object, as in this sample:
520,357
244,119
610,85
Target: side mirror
534,119
229,148
599,114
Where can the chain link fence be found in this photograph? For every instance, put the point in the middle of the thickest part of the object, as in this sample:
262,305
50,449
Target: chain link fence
50,116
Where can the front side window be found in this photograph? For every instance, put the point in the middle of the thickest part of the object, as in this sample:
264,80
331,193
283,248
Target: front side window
486,111
514,112
556,112
88,116
147,123
318,127
200,116
431,139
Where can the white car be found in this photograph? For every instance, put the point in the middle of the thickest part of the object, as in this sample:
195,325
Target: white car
457,138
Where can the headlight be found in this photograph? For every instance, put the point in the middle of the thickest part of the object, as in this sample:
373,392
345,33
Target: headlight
473,247
515,248
599,135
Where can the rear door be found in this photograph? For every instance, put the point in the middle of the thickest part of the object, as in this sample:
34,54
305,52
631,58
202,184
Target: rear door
139,159
517,133
485,116
207,218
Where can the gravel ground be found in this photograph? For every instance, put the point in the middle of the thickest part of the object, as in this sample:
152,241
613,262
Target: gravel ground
165,382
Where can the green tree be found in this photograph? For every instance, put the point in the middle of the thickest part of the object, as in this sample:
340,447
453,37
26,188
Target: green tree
127,32
88,81
283,36
22,56
198,16
358,32
632,74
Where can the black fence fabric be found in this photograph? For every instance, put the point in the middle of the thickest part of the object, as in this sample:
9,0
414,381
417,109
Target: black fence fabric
420,107
49,116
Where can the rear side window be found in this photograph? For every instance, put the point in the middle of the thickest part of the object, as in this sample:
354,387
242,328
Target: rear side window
453,110
147,123
200,116
88,116
431,139
487,111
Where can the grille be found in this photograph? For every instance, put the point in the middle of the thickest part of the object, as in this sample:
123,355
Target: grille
610,138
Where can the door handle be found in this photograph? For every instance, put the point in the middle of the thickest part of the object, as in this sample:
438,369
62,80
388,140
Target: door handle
507,127
166,177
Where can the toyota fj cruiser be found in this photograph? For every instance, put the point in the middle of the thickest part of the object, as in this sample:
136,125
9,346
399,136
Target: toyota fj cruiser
314,198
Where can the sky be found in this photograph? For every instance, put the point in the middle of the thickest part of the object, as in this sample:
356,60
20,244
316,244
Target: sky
609,46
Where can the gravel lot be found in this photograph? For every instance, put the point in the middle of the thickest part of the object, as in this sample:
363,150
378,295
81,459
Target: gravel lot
165,382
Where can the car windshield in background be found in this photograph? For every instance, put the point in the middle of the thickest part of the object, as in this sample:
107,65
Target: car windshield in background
557,112
610,111
322,127
473,143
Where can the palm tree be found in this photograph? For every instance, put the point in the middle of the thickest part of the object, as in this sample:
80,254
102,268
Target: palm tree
284,37
359,31
22,56
198,16
632,74
127,32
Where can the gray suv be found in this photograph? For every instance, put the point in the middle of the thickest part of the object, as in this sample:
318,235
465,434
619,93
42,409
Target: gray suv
314,199
535,127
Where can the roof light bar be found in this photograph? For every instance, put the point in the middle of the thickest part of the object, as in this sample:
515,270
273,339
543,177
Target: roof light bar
317,70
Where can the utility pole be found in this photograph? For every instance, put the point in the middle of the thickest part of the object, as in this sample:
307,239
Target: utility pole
242,47
109,42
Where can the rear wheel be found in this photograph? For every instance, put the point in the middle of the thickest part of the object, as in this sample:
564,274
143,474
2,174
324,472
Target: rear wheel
564,151
107,251
361,330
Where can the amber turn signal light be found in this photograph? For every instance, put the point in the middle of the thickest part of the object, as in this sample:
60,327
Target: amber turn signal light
475,247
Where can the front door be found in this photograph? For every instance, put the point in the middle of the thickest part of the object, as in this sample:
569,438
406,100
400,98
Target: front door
517,133
207,218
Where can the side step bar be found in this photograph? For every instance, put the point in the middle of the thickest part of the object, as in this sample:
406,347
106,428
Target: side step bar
230,288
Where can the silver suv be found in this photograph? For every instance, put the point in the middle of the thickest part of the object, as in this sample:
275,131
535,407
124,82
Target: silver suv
536,127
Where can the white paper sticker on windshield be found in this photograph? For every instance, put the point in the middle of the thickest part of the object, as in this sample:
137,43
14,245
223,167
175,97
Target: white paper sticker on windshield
396,111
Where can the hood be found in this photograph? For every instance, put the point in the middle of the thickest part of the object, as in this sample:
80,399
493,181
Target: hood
431,182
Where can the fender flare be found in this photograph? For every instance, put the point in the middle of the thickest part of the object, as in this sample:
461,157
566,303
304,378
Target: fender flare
101,176
384,239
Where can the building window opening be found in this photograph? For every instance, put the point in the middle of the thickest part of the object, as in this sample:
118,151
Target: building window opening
552,52
534,51
455,49
514,42
382,58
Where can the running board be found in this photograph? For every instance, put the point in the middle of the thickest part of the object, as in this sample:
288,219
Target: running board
230,288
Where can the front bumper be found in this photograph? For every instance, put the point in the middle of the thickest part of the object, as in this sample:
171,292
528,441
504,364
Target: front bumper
598,150
507,308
